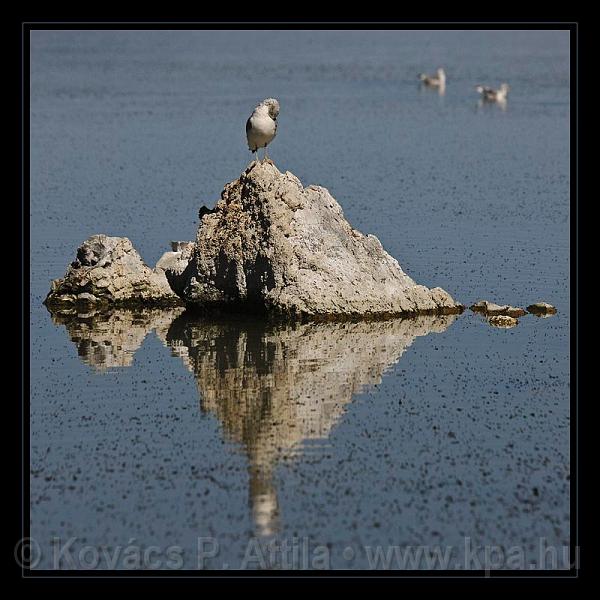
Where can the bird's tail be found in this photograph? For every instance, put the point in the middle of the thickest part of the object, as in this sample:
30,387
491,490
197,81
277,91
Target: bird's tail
422,77
479,89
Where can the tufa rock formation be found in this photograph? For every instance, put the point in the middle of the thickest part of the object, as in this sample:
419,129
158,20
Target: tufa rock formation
109,271
271,244
490,308
541,309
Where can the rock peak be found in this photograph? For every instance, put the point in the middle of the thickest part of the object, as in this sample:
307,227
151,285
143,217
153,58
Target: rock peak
274,245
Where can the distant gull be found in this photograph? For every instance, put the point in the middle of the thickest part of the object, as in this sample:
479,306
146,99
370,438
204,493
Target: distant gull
437,80
261,127
491,95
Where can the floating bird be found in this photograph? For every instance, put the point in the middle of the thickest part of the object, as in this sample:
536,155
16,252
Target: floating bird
491,95
438,80
261,127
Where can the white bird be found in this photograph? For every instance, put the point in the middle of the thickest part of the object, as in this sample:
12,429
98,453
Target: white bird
261,127
438,80
491,95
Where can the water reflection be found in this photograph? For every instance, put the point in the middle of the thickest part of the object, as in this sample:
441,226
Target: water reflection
271,386
274,387
106,340
483,104
440,90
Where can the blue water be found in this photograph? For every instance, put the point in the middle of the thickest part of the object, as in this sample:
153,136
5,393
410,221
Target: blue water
163,429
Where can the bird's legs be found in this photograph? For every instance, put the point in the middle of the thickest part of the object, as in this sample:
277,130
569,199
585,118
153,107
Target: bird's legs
266,155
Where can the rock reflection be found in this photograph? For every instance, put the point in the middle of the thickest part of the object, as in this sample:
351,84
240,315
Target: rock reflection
274,386
106,340
271,386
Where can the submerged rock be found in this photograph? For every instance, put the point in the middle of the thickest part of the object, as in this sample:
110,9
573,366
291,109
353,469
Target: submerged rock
541,309
271,244
109,271
490,308
503,321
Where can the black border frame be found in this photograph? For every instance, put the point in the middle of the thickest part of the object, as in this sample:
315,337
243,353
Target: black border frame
20,528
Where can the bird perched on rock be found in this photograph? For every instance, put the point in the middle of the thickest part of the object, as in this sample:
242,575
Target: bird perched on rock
490,95
261,127
437,80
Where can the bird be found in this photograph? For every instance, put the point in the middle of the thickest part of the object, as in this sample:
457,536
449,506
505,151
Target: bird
261,127
437,80
490,95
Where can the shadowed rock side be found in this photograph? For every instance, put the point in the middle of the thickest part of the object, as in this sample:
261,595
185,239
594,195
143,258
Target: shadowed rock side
108,271
274,386
276,246
110,339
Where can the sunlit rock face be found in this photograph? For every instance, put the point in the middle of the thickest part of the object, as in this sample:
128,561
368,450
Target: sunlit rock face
274,245
110,339
275,386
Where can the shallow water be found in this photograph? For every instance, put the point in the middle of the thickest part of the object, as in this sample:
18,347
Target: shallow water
162,428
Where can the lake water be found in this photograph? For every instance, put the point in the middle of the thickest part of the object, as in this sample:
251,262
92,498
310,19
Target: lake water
158,429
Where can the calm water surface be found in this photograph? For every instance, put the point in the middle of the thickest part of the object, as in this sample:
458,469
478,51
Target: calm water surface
161,428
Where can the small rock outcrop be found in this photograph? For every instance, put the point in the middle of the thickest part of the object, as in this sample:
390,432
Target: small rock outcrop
541,309
274,245
108,271
492,309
